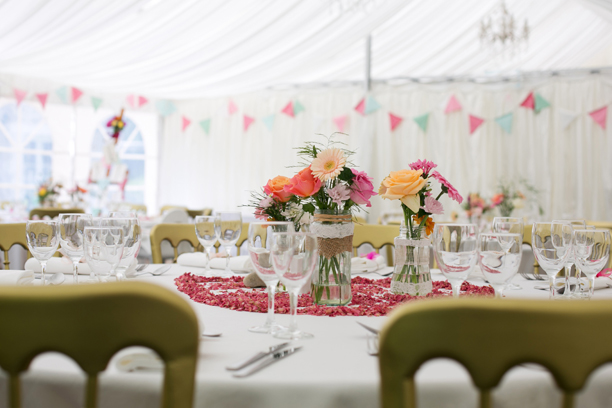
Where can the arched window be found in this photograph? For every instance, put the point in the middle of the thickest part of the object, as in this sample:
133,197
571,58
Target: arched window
26,152
131,150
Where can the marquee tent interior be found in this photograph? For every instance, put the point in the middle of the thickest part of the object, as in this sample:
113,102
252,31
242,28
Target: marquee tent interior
190,75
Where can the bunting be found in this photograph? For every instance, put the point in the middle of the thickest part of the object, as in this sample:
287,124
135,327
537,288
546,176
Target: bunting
505,122
297,107
42,98
268,121
288,109
371,105
205,125
599,116
453,105
540,103
248,121
395,121
566,117
340,122
231,107
131,100
361,107
186,122
529,102
475,123
19,95
62,93
422,121
165,107
142,101
76,94
96,102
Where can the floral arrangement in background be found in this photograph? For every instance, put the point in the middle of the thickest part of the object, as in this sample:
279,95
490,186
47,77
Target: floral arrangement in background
47,192
414,189
510,198
116,124
475,206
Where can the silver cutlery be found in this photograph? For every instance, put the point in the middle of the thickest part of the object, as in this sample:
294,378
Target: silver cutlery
265,362
140,267
373,345
212,334
256,357
368,328
157,272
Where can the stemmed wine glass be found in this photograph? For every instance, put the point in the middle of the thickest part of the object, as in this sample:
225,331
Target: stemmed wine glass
71,228
551,244
43,241
499,256
512,225
228,226
569,283
122,214
103,249
132,235
259,246
294,257
455,248
591,251
207,235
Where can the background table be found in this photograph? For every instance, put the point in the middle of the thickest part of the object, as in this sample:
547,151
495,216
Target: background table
332,370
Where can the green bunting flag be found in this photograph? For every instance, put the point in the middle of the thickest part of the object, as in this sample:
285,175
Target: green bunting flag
269,120
165,108
205,124
422,121
505,122
297,108
371,105
96,102
62,93
540,103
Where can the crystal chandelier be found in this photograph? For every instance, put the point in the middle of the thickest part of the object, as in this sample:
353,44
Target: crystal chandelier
501,33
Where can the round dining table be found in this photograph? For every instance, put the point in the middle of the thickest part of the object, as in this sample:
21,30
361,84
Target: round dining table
331,370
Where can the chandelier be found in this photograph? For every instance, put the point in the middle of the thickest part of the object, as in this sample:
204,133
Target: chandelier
500,32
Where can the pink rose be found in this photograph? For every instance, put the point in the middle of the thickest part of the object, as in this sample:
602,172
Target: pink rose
362,189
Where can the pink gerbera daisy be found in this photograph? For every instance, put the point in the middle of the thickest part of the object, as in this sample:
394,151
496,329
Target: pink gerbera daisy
328,164
424,165
452,191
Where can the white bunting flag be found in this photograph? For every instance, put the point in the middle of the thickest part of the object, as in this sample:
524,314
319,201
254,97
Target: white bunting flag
566,117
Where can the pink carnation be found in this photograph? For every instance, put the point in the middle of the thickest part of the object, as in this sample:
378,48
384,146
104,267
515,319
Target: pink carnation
433,206
266,202
362,188
339,193
424,165
452,191
260,215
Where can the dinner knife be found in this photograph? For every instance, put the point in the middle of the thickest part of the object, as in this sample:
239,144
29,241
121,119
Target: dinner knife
256,357
265,362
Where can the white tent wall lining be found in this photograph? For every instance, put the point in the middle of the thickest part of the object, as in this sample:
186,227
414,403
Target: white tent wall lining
570,167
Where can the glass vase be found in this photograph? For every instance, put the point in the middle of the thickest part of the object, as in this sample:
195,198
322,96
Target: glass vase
411,273
331,283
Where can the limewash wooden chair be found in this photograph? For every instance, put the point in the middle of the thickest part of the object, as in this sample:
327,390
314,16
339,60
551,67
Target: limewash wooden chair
12,234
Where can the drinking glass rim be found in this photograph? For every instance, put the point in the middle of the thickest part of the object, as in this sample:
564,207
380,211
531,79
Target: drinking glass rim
592,230
92,227
503,234
45,221
119,218
79,214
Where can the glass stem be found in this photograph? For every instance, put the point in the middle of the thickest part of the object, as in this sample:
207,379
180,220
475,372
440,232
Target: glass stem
43,269
227,259
568,272
293,301
75,275
271,288
552,285
591,285
456,288
208,251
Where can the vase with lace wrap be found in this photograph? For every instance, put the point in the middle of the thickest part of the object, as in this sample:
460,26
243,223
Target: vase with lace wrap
331,284
411,274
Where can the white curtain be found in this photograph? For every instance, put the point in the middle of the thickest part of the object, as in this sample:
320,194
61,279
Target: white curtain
571,167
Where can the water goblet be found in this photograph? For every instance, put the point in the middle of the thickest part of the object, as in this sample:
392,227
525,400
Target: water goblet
513,225
207,235
132,235
571,285
259,247
228,226
122,214
294,258
71,228
499,256
43,241
551,244
591,252
103,249
456,250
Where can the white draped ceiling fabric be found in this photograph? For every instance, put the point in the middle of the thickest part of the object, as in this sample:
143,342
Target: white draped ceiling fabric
199,53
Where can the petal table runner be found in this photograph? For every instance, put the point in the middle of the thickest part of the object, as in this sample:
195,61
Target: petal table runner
371,297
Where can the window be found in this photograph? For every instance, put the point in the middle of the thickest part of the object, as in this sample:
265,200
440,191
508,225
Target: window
26,152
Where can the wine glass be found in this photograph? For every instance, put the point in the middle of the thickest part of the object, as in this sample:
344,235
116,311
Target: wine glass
294,257
207,235
43,240
132,234
513,225
122,214
499,256
228,226
71,228
103,249
591,252
259,246
455,248
551,244
569,282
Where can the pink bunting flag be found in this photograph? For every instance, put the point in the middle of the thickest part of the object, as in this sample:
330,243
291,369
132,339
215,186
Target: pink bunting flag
395,121
232,108
600,115
475,123
453,105
288,110
361,107
186,123
248,121
19,95
42,98
340,122
529,102
131,101
76,94
142,101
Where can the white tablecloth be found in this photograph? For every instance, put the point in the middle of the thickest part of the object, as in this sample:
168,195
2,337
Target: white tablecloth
332,370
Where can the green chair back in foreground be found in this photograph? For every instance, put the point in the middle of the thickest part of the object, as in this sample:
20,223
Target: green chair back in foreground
91,323
12,234
489,337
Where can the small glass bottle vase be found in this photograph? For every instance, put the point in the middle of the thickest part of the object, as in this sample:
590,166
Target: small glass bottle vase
331,282
411,273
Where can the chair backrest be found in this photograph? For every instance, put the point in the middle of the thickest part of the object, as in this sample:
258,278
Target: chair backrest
489,337
53,212
377,236
12,234
176,215
91,323
166,208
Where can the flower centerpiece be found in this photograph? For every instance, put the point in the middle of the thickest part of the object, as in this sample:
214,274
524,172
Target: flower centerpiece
47,192
475,207
414,190
510,198
116,125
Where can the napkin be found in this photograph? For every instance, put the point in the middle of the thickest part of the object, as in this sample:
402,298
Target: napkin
238,264
365,265
57,265
19,278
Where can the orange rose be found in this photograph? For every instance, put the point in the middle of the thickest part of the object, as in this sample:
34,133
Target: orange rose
276,188
403,185
303,184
